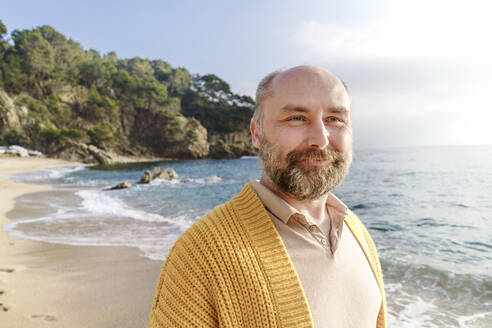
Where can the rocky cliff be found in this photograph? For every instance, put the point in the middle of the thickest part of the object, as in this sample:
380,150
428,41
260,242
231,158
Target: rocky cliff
138,133
77,104
231,145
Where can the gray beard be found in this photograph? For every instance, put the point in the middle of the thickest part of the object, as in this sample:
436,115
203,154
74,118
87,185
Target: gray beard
304,182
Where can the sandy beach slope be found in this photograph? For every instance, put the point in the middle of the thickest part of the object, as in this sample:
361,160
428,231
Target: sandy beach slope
52,285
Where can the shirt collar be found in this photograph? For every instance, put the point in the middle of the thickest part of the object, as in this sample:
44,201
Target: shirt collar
279,207
284,211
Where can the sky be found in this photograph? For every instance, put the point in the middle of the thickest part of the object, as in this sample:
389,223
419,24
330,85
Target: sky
419,71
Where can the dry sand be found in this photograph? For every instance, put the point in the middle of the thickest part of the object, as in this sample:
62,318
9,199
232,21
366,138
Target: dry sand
53,285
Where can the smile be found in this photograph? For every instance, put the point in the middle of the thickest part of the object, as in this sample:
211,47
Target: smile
315,162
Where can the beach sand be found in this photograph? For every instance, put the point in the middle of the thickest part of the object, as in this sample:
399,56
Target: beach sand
53,285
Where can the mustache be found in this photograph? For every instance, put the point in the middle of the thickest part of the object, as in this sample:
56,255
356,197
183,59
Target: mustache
330,155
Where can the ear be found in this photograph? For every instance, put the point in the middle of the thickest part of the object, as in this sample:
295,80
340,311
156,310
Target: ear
255,139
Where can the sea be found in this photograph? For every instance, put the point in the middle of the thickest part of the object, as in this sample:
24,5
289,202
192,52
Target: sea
428,209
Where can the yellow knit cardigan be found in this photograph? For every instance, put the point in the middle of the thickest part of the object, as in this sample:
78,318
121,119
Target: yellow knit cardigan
231,269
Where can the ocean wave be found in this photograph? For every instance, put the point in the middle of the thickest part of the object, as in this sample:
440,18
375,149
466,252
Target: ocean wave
478,246
47,174
449,285
363,206
429,222
464,321
103,220
99,203
432,223
409,308
209,179
385,227
102,183
163,182
58,173
412,308
151,243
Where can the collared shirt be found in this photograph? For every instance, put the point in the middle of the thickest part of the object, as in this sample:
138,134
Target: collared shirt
337,280
327,234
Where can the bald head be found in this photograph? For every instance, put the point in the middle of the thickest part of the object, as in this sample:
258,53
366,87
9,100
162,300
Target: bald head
290,77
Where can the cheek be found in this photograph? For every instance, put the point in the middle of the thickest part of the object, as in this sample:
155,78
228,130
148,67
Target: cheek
284,143
288,138
342,140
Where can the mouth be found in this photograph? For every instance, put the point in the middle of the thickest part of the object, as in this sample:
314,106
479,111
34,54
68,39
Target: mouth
314,162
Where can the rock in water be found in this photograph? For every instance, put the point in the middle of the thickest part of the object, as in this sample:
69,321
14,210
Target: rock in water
123,185
159,173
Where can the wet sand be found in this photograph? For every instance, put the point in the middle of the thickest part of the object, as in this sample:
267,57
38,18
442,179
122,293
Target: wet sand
52,285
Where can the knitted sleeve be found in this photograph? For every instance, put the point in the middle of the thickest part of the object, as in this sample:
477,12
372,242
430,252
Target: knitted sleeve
182,297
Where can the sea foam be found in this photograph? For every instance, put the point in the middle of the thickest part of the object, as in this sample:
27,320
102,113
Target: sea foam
98,203
46,175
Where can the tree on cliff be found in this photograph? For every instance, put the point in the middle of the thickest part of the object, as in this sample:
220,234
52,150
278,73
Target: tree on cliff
3,42
76,95
211,101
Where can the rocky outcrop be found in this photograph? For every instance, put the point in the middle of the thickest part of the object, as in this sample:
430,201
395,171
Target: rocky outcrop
189,139
231,145
9,115
19,151
158,173
84,153
167,136
12,117
122,185
158,132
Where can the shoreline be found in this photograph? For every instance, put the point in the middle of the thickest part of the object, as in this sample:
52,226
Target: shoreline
55,285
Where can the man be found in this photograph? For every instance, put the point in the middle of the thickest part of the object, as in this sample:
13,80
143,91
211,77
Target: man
285,252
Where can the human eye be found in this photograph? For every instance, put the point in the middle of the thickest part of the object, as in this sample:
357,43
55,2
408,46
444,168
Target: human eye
297,118
334,120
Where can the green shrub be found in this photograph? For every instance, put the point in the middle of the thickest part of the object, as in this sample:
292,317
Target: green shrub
33,104
53,104
51,135
74,134
174,127
100,134
13,138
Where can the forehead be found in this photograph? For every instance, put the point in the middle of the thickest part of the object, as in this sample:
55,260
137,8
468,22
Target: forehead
309,88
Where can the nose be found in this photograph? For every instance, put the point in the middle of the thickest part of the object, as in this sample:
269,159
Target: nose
318,135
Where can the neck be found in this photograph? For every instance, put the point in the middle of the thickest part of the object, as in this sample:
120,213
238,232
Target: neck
315,209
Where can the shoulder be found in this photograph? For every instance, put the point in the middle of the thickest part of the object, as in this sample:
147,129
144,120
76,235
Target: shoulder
220,228
229,215
187,281
203,235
